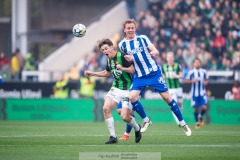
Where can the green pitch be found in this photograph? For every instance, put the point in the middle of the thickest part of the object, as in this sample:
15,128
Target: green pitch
64,141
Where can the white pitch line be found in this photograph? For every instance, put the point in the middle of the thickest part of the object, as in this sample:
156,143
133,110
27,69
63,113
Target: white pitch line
138,145
102,135
19,136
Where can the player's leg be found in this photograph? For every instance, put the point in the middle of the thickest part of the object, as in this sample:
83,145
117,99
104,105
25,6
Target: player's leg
196,117
195,105
140,110
176,110
159,84
126,134
179,100
173,93
203,103
126,116
137,89
173,106
108,106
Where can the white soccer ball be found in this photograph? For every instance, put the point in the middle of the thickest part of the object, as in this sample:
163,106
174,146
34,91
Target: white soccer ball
79,30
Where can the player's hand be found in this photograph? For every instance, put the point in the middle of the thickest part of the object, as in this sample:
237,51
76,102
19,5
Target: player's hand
154,53
87,73
128,58
119,66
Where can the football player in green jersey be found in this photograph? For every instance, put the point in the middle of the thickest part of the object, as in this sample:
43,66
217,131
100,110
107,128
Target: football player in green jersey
121,70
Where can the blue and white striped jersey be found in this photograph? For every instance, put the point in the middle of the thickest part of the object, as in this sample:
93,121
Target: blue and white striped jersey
198,88
144,64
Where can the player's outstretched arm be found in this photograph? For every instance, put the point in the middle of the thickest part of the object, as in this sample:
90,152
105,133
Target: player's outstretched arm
126,69
104,73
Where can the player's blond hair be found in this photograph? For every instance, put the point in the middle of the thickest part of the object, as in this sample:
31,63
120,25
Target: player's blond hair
128,21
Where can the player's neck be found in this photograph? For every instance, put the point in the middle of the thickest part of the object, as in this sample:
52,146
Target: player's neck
170,64
114,54
130,38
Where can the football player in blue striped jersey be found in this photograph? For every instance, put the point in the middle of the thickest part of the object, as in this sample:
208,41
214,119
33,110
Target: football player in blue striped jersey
198,77
140,51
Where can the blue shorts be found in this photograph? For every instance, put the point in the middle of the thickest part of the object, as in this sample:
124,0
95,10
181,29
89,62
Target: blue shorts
199,101
154,80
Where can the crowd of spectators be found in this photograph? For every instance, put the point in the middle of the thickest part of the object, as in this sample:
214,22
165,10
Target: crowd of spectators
207,29
11,66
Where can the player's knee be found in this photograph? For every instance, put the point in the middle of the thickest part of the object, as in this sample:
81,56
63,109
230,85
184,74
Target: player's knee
133,98
204,107
167,98
106,110
125,117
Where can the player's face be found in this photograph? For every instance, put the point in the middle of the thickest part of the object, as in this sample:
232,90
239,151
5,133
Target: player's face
197,64
130,30
108,50
170,58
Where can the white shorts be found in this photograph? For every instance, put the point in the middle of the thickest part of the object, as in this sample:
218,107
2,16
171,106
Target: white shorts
177,94
117,95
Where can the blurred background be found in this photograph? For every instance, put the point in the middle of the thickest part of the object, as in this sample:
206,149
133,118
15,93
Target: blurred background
42,63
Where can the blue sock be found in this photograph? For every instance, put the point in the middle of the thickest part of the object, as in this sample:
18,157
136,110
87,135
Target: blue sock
202,112
137,106
196,116
128,127
175,108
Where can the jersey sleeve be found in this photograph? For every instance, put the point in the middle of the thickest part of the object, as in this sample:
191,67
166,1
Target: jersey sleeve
205,75
189,75
146,40
122,46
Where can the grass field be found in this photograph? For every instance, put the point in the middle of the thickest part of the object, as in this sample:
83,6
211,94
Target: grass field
64,141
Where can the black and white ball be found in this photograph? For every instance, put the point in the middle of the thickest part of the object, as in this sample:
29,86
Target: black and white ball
79,30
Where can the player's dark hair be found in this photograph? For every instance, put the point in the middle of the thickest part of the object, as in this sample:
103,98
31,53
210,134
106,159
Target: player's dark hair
103,42
129,21
197,59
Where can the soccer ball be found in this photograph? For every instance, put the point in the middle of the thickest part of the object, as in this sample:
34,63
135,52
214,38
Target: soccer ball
79,30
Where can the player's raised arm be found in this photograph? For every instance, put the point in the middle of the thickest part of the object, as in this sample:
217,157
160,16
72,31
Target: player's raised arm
154,52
